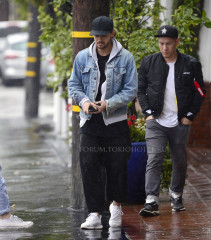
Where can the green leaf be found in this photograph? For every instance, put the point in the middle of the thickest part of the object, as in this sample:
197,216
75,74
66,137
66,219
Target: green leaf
204,15
208,24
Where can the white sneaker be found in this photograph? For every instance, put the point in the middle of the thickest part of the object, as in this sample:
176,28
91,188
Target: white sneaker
14,222
116,216
92,222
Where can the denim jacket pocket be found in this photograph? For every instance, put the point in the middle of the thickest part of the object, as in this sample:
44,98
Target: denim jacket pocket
119,73
86,74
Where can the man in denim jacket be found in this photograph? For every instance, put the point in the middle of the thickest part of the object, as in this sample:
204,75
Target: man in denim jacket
104,78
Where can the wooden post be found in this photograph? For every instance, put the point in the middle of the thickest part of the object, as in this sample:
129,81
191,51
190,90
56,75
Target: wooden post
83,14
32,81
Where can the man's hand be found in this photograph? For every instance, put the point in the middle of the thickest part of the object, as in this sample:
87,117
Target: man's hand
86,106
100,108
149,117
186,121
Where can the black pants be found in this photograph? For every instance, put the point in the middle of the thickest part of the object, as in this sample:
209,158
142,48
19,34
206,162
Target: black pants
104,169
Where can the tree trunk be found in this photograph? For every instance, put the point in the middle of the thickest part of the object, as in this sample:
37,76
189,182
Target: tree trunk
32,81
83,14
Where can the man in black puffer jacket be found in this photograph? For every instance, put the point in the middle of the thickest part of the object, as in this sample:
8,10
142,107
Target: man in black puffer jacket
171,91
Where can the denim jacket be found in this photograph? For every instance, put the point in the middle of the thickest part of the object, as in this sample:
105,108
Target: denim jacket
119,88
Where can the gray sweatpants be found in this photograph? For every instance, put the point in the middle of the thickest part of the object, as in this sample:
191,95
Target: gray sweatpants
157,137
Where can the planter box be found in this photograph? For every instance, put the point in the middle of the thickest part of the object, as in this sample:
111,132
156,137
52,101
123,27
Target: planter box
136,173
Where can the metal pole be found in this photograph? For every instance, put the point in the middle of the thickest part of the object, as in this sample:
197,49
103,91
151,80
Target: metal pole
32,81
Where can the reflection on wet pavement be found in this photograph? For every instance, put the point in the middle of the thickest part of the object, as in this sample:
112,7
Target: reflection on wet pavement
12,235
112,233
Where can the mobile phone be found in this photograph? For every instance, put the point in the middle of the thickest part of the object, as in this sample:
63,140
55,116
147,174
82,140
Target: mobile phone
92,109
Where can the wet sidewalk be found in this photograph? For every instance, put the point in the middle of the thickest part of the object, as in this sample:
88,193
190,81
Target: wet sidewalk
36,167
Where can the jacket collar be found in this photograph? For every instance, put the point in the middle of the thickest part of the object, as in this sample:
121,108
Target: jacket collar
114,52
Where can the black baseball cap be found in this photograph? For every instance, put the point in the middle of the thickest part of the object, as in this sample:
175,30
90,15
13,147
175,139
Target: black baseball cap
167,31
102,26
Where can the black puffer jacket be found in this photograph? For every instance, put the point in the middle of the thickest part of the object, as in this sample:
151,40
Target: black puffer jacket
153,74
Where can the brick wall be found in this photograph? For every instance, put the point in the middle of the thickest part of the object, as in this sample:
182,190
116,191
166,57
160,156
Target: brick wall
200,135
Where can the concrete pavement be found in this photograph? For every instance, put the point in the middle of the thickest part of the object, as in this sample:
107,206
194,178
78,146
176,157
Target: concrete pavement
36,167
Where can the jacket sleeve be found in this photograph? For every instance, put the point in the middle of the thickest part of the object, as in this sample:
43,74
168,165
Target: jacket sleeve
75,85
129,90
198,95
142,88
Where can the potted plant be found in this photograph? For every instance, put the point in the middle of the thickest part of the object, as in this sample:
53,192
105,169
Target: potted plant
138,159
